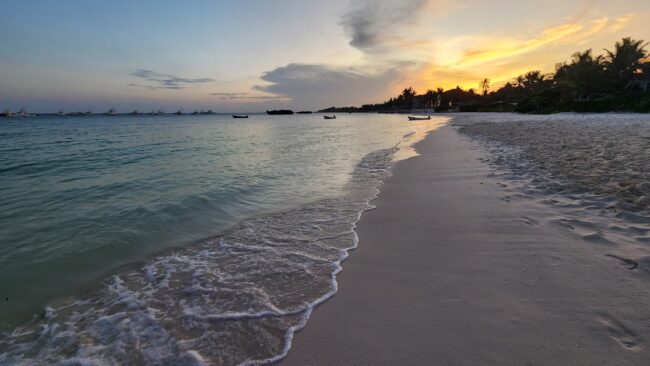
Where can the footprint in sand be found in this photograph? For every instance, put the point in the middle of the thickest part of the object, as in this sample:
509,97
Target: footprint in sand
625,262
529,221
565,223
625,337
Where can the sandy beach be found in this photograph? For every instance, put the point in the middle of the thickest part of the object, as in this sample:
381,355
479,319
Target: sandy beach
468,261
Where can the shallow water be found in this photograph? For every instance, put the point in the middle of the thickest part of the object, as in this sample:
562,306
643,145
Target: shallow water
239,226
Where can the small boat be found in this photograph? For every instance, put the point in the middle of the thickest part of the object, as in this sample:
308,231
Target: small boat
7,113
160,113
88,112
134,113
239,116
412,118
279,112
111,112
209,111
23,113
60,113
77,114
329,117
195,113
179,112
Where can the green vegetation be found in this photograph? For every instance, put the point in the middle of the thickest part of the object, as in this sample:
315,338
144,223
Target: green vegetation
617,80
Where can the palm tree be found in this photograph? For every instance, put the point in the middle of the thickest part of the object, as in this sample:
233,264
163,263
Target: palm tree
429,98
485,85
584,76
626,60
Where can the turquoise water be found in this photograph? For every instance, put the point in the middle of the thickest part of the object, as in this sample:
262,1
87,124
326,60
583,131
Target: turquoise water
97,207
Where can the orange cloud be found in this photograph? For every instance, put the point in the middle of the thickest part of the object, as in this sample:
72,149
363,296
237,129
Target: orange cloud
466,59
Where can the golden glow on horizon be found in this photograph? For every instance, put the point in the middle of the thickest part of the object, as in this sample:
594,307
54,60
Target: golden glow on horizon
464,60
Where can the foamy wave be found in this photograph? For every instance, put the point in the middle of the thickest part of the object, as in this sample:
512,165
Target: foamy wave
232,300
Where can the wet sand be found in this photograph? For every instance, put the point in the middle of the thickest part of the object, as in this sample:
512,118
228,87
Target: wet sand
456,266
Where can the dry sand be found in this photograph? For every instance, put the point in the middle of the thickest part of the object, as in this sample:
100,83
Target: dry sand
466,263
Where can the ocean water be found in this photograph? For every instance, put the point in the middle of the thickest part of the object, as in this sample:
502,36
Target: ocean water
179,239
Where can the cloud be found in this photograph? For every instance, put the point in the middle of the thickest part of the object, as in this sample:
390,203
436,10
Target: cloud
464,60
318,86
229,95
247,97
370,23
165,81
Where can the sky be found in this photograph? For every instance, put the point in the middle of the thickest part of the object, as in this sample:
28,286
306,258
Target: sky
253,55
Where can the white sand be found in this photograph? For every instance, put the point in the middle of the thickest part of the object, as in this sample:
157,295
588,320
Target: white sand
466,263
606,154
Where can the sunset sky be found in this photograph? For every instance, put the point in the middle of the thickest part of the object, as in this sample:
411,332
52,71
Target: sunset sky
251,55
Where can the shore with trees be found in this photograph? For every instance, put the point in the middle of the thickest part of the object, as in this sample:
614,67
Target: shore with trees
616,80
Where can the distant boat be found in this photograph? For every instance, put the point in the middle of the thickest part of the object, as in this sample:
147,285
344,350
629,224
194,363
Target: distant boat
304,112
159,113
195,113
88,112
134,113
209,111
329,117
412,118
23,113
279,111
7,113
179,112
60,113
77,114
111,112
239,116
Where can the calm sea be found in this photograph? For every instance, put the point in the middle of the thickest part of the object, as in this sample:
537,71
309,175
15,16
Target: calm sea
179,239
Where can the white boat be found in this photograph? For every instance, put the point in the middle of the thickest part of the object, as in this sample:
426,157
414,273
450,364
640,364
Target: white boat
23,113
412,118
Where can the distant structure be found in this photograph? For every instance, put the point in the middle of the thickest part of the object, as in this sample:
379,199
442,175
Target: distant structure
279,111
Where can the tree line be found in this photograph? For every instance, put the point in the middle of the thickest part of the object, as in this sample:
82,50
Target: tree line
616,80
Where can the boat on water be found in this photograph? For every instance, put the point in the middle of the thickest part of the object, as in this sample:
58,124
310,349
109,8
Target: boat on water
111,112
134,113
23,113
209,111
7,113
329,117
414,118
77,114
89,112
279,112
179,112
239,116
60,113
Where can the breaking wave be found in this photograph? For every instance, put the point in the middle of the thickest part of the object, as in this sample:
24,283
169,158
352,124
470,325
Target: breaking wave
235,299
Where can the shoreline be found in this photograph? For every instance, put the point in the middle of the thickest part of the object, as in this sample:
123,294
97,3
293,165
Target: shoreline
201,285
474,279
